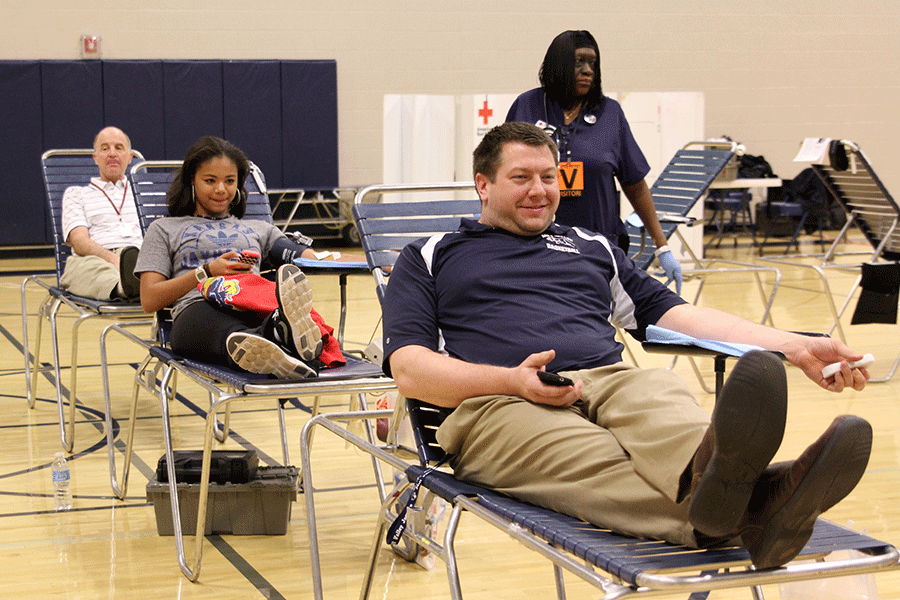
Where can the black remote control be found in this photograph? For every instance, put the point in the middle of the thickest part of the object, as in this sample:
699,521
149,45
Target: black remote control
554,379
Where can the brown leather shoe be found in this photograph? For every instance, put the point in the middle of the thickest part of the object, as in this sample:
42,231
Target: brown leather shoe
789,496
745,432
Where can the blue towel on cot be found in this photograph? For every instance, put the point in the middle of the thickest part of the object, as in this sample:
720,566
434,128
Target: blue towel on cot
634,220
313,263
667,336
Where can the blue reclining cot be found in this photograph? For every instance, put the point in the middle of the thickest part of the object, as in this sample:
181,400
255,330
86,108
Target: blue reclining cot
63,169
681,184
159,370
617,565
850,179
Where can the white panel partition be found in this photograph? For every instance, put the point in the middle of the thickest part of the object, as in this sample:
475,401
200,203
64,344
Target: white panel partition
419,140
430,138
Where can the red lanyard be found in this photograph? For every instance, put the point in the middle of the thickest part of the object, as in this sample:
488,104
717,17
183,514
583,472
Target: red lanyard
113,204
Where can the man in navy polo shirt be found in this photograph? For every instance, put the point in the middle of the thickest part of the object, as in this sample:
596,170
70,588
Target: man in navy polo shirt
471,317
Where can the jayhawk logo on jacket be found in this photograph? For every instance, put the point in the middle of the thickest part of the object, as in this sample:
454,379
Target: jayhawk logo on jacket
221,291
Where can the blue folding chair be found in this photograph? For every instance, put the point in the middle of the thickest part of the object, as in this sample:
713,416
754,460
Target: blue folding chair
63,169
158,372
617,565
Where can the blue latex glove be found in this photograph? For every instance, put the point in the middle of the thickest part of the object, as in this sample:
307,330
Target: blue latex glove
672,268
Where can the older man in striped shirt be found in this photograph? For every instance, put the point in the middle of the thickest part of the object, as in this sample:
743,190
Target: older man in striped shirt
100,223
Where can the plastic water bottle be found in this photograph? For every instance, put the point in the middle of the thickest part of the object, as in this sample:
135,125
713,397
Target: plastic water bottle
62,482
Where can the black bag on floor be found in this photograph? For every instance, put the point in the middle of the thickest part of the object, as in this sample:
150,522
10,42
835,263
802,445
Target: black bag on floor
226,466
880,293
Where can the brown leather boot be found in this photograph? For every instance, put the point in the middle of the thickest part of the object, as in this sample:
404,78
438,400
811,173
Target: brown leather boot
789,496
744,434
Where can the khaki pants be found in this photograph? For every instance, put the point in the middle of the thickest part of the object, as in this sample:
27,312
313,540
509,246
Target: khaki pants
613,459
91,277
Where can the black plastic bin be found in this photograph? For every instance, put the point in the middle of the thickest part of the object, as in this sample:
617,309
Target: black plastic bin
259,507
226,466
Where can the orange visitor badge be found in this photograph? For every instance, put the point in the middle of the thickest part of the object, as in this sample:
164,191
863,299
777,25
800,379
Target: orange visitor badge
571,178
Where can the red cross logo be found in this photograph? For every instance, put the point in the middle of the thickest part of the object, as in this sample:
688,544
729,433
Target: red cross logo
91,44
485,112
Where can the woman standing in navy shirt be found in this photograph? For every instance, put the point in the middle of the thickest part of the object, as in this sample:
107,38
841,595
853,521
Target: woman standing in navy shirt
595,145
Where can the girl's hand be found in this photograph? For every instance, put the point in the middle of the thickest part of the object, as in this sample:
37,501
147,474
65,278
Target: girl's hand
228,264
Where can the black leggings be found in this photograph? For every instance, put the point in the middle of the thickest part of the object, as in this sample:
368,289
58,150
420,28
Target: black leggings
201,329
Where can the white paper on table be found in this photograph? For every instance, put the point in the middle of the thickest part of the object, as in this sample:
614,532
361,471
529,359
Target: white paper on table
814,150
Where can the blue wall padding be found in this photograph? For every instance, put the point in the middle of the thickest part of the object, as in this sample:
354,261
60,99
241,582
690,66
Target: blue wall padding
251,107
283,114
193,101
310,122
22,199
134,102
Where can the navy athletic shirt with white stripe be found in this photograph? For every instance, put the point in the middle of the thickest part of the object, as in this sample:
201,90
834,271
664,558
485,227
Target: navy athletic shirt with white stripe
488,296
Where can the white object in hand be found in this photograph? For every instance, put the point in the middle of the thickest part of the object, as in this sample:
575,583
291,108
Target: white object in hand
866,361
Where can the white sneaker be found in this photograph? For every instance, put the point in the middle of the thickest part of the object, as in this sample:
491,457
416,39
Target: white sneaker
294,326
256,354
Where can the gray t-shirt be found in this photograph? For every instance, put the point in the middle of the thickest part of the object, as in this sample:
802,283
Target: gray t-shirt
176,245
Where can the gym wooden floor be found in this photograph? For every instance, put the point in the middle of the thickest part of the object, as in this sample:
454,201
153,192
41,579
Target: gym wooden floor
106,548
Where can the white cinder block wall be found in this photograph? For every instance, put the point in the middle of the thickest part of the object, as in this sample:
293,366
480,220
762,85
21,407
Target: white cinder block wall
772,71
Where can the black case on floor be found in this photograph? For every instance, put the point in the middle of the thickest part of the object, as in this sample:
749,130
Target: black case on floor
226,466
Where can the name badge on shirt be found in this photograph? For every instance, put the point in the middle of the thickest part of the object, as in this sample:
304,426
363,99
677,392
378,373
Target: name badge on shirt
126,229
571,178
